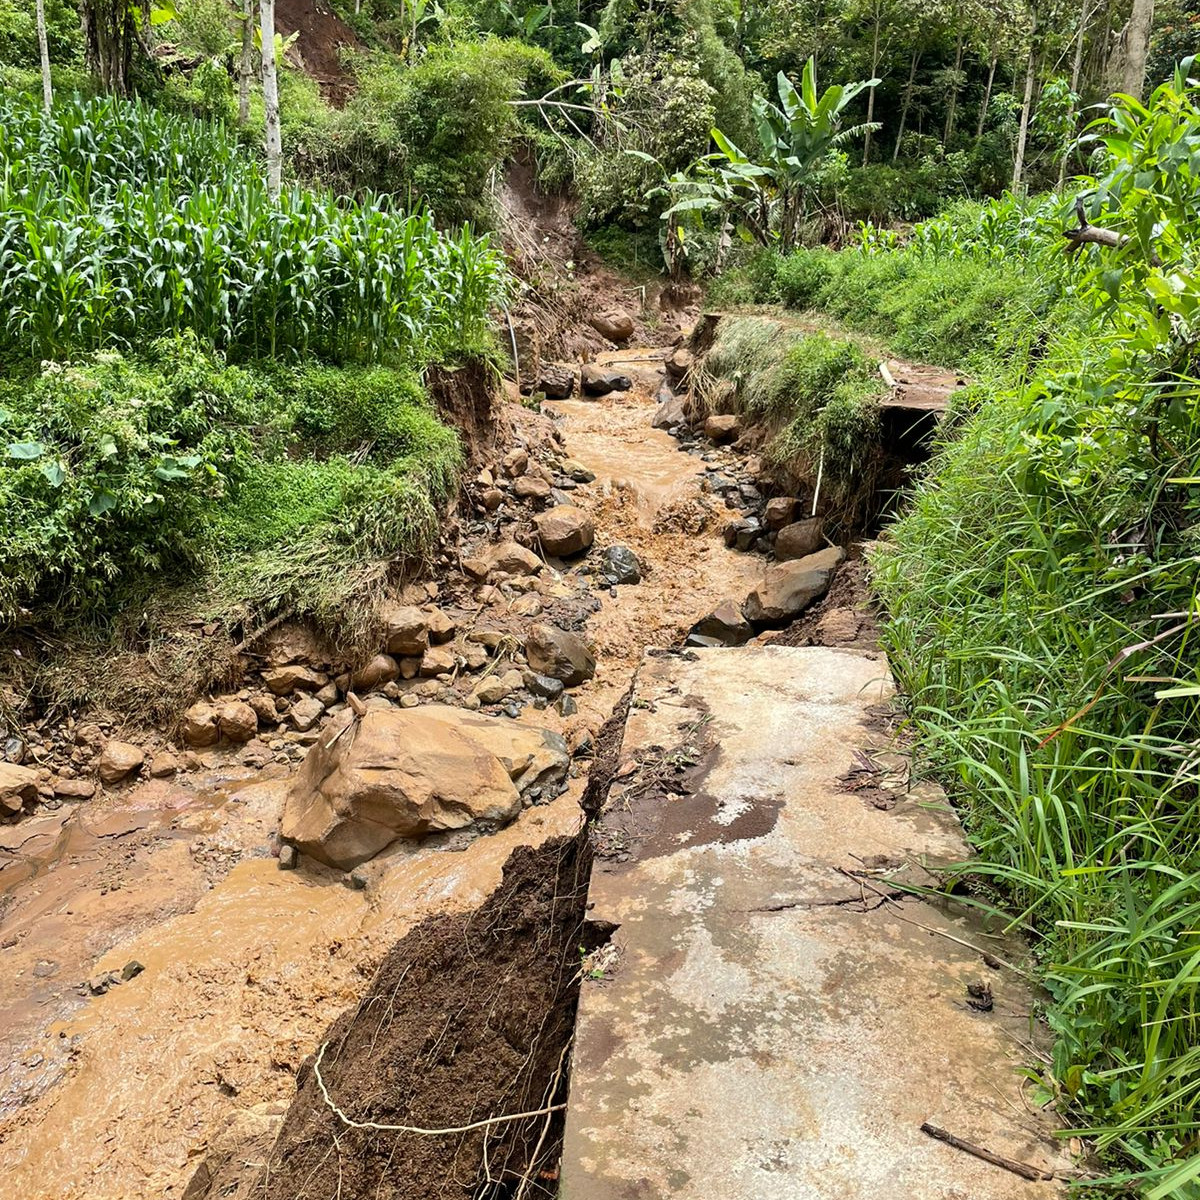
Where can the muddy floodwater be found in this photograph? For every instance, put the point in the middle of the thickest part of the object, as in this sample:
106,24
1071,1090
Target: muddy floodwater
242,966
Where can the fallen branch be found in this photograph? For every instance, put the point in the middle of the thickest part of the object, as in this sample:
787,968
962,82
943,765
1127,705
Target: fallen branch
484,1124
1025,1170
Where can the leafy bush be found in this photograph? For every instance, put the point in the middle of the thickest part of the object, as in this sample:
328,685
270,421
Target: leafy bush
118,223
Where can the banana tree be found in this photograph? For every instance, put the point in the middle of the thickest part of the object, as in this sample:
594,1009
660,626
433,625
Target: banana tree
794,137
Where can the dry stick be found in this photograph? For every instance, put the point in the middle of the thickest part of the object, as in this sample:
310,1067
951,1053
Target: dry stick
484,1124
997,1160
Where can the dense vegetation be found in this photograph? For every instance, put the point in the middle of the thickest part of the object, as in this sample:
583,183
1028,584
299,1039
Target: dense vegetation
1041,596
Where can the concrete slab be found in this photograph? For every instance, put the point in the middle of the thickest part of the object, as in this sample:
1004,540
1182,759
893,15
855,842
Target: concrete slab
765,1027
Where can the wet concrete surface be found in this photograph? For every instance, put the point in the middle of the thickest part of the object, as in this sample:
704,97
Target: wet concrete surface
765,1024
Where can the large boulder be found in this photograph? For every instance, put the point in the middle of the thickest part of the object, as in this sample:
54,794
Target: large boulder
799,539
559,654
200,725
237,721
613,323
18,787
564,530
779,512
294,677
669,414
788,588
409,772
596,381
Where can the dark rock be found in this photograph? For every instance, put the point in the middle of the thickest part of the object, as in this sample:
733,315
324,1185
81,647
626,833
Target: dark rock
544,686
130,969
559,654
567,707
556,381
726,625
747,534
596,381
799,539
620,565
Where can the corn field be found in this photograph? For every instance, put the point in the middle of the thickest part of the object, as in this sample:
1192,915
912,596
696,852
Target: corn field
118,224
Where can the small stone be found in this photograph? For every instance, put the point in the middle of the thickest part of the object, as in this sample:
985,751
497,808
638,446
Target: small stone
577,471
476,568
163,765
498,687
529,488
328,694
119,761
528,606
74,789
288,857
356,880
199,727
306,712
293,678
620,565
679,363
515,462
491,499
409,701
383,668
410,668
566,705
237,721
130,970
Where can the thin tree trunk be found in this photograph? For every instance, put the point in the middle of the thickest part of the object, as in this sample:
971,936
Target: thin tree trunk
958,57
1077,64
871,91
246,65
270,87
44,52
987,97
1026,110
1137,44
908,90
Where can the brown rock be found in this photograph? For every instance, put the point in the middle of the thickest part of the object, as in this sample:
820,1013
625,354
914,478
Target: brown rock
779,512
476,568
613,323
515,462
564,530
410,668
119,761
74,789
383,668
408,772
264,708
514,559
200,726
294,677
306,712
495,688
799,539
722,427
559,654
492,499
529,487
18,787
237,721
788,588
597,381
441,627
669,412
407,630
679,363
163,765
438,660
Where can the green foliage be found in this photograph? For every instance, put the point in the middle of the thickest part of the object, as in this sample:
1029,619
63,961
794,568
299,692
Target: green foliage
815,394
118,223
1042,600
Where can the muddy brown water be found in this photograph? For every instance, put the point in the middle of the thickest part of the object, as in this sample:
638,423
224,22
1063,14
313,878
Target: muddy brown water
118,1095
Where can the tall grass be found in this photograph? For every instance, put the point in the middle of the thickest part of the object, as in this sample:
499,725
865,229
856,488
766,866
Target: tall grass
119,224
1042,609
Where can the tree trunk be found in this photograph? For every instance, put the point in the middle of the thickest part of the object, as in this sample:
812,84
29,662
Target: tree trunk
44,52
1026,112
958,57
1137,43
246,65
987,97
108,32
270,87
908,91
1077,64
871,91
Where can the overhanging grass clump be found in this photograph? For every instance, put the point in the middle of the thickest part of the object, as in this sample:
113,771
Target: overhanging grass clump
815,395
